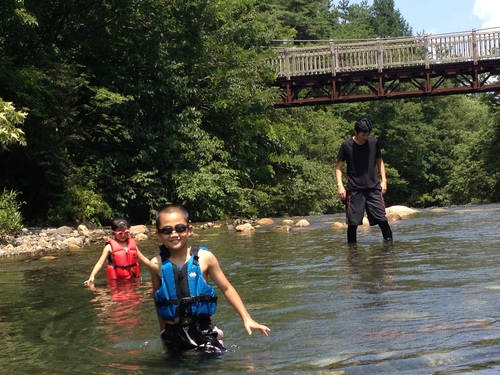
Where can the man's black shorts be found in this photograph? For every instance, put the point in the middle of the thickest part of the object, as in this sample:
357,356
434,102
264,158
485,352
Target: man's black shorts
360,200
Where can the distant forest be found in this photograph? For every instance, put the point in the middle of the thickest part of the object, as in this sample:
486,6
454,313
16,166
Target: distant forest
127,105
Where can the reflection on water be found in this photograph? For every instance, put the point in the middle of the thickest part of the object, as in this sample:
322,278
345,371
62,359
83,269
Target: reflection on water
118,303
427,303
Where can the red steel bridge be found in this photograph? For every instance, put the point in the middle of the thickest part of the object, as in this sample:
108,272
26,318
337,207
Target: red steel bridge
420,66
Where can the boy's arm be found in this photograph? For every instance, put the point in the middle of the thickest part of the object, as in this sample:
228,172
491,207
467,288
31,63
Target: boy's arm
232,296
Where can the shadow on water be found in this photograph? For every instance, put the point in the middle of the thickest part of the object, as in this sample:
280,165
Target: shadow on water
425,304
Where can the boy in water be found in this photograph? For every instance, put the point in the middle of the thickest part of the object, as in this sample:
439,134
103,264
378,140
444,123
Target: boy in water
184,300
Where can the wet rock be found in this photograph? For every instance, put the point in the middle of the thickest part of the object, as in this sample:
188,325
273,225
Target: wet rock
138,229
265,221
63,230
391,217
48,257
74,240
83,230
141,237
73,247
247,227
401,210
284,229
209,225
338,225
239,221
302,223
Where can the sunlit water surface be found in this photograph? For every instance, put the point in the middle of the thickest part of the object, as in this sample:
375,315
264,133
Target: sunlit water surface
429,303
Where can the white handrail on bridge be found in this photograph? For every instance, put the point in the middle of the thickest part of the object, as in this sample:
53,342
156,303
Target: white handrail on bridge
380,54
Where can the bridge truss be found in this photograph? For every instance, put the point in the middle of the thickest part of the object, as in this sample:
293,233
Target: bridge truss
389,68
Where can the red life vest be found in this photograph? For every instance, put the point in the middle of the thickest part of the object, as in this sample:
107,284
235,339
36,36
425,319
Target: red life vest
123,264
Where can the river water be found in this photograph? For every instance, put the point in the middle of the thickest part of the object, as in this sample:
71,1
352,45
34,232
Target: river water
428,303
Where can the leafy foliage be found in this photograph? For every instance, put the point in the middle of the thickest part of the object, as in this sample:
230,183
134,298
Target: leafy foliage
137,103
9,120
11,220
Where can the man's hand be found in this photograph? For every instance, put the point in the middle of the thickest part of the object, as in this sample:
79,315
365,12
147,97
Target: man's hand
383,185
341,192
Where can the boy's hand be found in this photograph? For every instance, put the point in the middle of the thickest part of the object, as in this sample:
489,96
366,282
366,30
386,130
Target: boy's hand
252,324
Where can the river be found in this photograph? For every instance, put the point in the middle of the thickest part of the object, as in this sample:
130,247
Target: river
428,303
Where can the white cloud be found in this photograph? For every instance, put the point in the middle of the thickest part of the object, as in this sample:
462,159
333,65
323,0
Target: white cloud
488,11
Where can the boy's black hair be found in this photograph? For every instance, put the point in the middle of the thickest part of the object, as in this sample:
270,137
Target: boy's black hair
363,126
119,223
169,208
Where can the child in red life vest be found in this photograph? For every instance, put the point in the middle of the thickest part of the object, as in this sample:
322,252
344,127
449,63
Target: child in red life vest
122,254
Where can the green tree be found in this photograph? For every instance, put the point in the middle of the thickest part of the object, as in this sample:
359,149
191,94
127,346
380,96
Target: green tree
388,21
474,175
10,119
311,20
11,219
353,21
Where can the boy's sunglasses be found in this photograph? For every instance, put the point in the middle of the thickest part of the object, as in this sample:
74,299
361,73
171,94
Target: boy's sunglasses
120,232
179,228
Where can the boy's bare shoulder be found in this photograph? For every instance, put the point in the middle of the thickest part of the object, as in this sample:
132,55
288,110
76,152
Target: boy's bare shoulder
204,251
206,254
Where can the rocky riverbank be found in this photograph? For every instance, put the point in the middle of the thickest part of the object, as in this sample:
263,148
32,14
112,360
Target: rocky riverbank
37,240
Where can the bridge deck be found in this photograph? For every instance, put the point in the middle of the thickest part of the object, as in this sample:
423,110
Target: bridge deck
320,74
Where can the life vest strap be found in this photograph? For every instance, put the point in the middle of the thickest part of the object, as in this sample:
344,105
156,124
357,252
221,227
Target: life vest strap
124,266
186,300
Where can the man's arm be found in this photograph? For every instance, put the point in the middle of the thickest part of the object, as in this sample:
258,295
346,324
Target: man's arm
340,185
381,171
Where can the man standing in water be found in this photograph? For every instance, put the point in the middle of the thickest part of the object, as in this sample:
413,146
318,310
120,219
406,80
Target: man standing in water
364,189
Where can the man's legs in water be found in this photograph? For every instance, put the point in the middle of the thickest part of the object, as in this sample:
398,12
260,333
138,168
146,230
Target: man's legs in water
351,233
375,210
386,230
355,207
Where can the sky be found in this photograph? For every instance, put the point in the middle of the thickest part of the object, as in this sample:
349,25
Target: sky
447,16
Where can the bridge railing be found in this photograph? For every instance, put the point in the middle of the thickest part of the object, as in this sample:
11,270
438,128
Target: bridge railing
380,54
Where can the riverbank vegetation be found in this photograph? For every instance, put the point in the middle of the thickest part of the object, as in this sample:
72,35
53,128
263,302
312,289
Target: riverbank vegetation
131,104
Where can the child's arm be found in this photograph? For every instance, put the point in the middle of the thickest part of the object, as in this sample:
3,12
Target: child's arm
156,281
98,265
154,269
144,260
216,274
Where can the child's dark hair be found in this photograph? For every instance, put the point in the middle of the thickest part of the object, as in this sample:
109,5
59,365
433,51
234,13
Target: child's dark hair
363,126
119,223
168,209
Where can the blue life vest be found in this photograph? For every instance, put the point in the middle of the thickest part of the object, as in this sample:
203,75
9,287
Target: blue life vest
183,291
